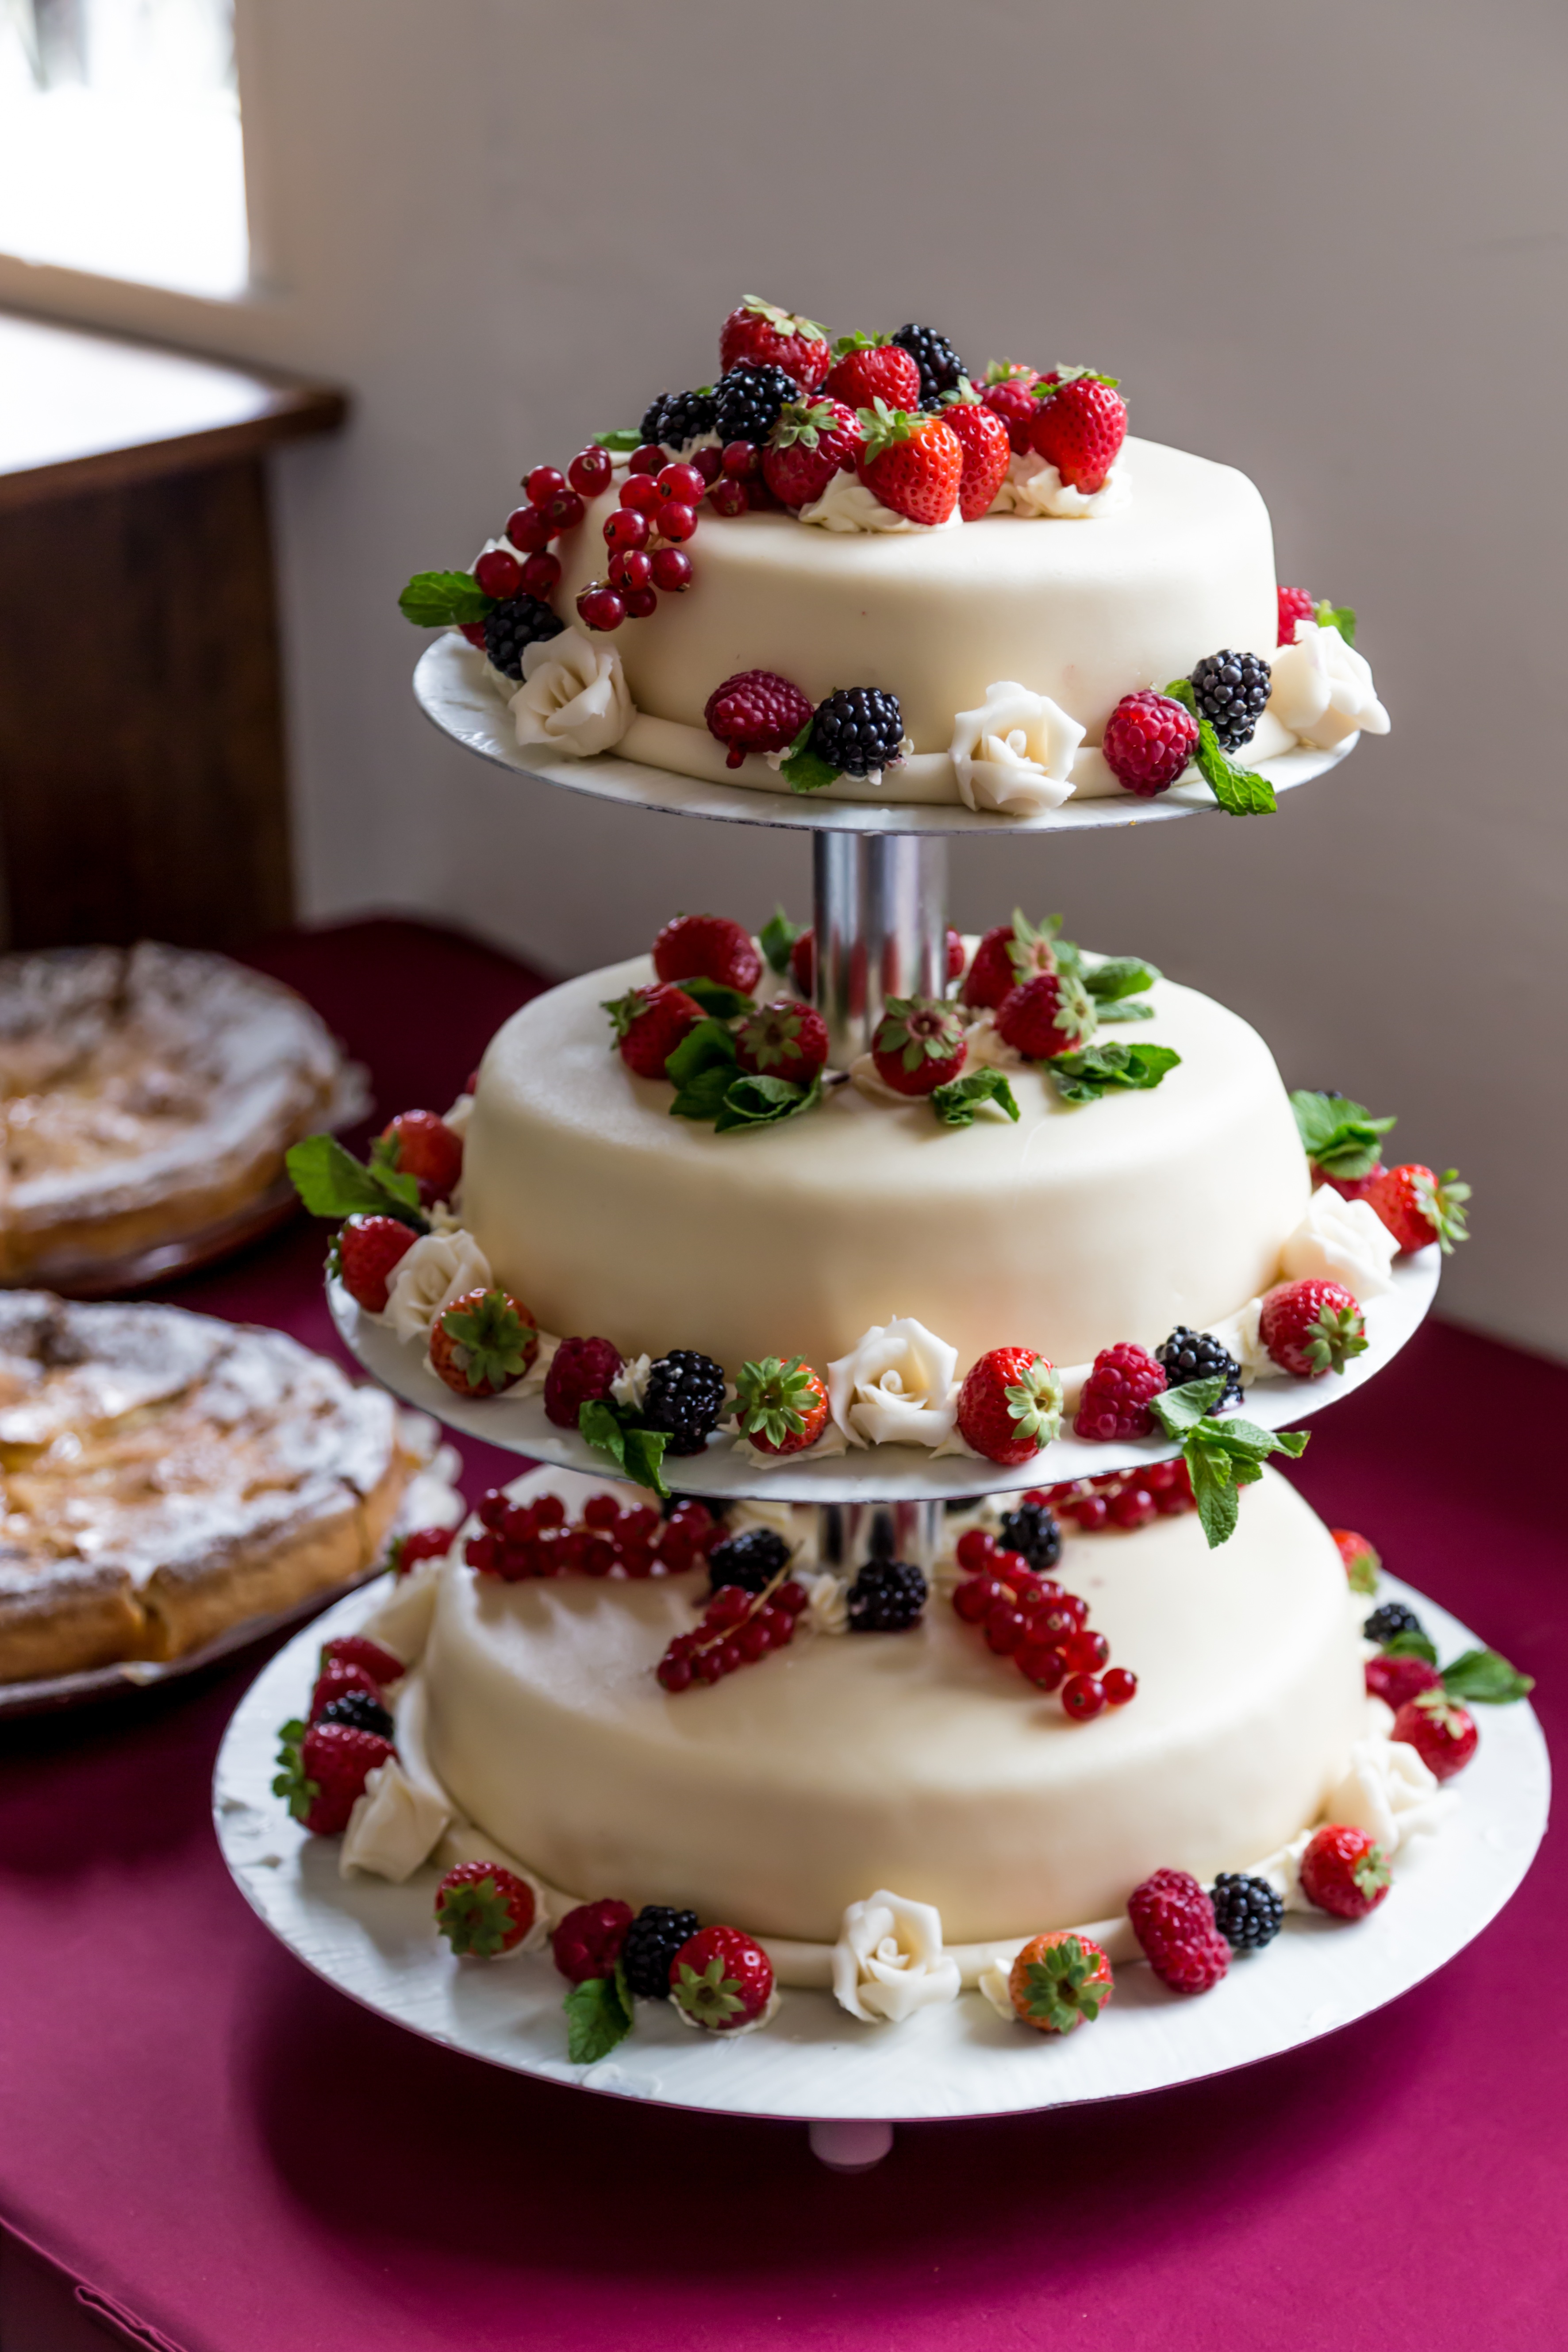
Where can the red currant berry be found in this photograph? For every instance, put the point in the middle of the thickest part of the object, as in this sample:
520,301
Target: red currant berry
727,498
639,1525
1089,1512
590,470
707,464
632,570
707,1665
1042,1664
492,1507
549,1511
627,528
1005,1629
601,1511
671,570
792,1598
752,1640
1086,1651
740,460
730,1655
1077,1609
528,531
1171,1501
636,1559
976,1549
779,1623
545,482
474,631
640,602
1119,1686
541,577
676,522
499,573
675,1674
564,513
640,494
683,484
1036,1495
648,458
1133,1507
600,607
596,1556
1082,1696
484,1552
972,1601
1011,1564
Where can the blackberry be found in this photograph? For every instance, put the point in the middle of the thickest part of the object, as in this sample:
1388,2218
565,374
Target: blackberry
1030,1529
678,416
653,1939
938,363
1190,1355
1230,691
359,1712
514,624
1391,1618
887,1597
750,1560
747,401
685,1397
1246,1911
858,730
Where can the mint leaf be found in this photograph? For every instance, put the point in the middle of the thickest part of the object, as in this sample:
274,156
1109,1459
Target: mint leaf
703,1097
1484,1679
956,1103
1214,1491
806,771
1411,1645
1238,791
706,1048
1220,1455
1179,1409
1337,616
776,937
1119,976
1084,1078
333,1183
764,1102
601,1424
598,2018
723,1003
638,1454
643,1461
621,441
437,600
1126,1008
1341,1136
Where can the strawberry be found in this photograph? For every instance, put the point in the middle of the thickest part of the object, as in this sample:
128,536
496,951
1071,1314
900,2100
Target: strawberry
983,437
483,1910
323,1770
356,1650
405,1552
649,1024
1080,423
337,1678
918,1044
1010,1405
1013,953
1443,1736
483,1342
1343,1872
755,710
912,462
419,1144
588,1941
581,1372
1008,392
708,947
758,334
370,1250
786,1040
1173,1920
1311,1326
1397,1680
1361,1564
813,440
1060,1982
721,1979
1048,1014
781,1407
1295,605
865,371
1419,1208
1349,1188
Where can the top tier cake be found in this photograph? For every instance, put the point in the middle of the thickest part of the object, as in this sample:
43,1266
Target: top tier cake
907,587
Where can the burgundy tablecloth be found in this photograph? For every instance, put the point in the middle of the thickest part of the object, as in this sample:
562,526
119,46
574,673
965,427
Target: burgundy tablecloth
228,2153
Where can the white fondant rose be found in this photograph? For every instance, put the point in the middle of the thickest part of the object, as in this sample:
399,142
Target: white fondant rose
574,696
401,1621
827,1605
1341,1241
1389,1793
394,1826
1321,688
1032,486
897,1386
848,505
457,1118
1015,752
438,1269
888,1960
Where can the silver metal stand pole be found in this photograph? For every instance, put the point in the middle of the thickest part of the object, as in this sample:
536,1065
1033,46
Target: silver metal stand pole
881,929
849,1534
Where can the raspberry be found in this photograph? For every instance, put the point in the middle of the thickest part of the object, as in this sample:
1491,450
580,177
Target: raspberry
1396,1680
588,1943
1173,1920
1148,741
1295,605
755,710
580,1373
1115,1399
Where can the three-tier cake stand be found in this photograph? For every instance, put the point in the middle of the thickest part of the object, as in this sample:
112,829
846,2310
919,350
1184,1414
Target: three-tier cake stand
880,920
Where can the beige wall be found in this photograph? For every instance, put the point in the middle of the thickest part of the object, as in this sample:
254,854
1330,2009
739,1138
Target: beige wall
1325,243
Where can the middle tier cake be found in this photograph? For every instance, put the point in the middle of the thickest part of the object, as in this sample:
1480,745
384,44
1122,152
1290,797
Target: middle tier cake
1073,1229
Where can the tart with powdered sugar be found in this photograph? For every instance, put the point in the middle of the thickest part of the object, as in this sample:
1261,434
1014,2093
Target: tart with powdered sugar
149,1094
167,1475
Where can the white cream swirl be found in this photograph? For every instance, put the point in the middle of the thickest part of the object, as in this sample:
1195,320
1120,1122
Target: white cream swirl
848,504
1032,486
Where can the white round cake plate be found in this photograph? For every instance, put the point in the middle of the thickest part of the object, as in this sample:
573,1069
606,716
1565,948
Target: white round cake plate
815,2065
452,690
892,1474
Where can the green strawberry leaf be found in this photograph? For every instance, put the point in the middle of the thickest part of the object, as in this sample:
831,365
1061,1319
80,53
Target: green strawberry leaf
598,2017
1126,1008
764,1102
956,1103
1116,977
1410,1644
637,1453
723,1003
1337,616
333,1183
438,600
1481,1678
1085,1076
776,937
1240,791
1339,1135
621,441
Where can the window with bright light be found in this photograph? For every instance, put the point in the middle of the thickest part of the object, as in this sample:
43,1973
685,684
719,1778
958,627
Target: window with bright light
119,140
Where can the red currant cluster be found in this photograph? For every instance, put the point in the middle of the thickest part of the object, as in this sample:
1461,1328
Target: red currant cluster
1121,1498
646,537
522,1541
555,504
738,1628
1042,1627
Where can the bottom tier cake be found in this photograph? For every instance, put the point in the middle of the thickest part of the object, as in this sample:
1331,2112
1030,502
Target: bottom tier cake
919,1760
